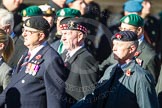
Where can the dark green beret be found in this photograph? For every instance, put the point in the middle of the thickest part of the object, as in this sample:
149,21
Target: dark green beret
31,11
68,12
37,22
133,19
125,36
73,24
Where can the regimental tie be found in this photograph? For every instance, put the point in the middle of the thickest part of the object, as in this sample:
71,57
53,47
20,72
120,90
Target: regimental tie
67,57
25,61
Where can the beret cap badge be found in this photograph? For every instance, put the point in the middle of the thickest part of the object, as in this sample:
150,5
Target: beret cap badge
28,23
24,12
70,24
126,20
62,13
118,36
49,11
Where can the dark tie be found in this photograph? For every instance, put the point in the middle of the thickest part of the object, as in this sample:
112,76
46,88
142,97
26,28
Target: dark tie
26,58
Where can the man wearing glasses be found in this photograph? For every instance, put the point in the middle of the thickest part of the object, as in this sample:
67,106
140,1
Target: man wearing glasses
145,56
38,81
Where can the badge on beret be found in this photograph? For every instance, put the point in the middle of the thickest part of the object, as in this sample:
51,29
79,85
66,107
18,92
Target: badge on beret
28,23
71,24
24,13
126,20
49,11
62,12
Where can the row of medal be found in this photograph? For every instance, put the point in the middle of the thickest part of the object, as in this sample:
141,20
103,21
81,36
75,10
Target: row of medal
32,68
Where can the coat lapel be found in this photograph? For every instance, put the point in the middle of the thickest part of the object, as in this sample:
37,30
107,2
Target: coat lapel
20,62
21,73
72,59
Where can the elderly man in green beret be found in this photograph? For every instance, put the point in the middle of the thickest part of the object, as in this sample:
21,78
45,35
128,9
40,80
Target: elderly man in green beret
145,56
152,24
61,14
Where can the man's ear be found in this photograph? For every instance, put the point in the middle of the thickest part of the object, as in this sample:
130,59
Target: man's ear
132,48
7,28
41,36
139,30
2,46
80,36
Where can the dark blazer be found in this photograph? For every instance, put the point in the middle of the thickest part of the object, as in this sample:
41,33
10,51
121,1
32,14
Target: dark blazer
149,60
55,44
83,74
134,88
43,90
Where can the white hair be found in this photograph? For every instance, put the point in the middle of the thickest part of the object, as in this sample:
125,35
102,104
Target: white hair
6,17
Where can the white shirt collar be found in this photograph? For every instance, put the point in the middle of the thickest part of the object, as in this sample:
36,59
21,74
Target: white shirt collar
74,51
140,40
36,50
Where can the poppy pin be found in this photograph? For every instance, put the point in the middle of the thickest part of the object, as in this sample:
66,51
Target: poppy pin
118,36
137,53
128,72
38,57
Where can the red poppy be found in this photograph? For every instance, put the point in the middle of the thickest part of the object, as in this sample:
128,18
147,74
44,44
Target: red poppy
137,53
128,72
118,36
38,57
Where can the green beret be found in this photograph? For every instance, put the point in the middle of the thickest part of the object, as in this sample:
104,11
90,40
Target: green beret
31,11
133,19
68,12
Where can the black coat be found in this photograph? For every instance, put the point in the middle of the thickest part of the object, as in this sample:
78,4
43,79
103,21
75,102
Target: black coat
83,74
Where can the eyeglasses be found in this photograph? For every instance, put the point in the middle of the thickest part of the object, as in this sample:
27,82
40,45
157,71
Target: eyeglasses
29,31
127,29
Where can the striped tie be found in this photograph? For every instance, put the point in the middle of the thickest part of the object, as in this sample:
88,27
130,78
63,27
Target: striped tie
67,57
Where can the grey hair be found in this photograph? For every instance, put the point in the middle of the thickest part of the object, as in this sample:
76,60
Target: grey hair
6,17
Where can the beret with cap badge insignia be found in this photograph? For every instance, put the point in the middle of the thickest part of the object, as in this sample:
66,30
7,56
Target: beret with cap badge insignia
68,12
28,23
74,24
37,22
133,19
125,36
